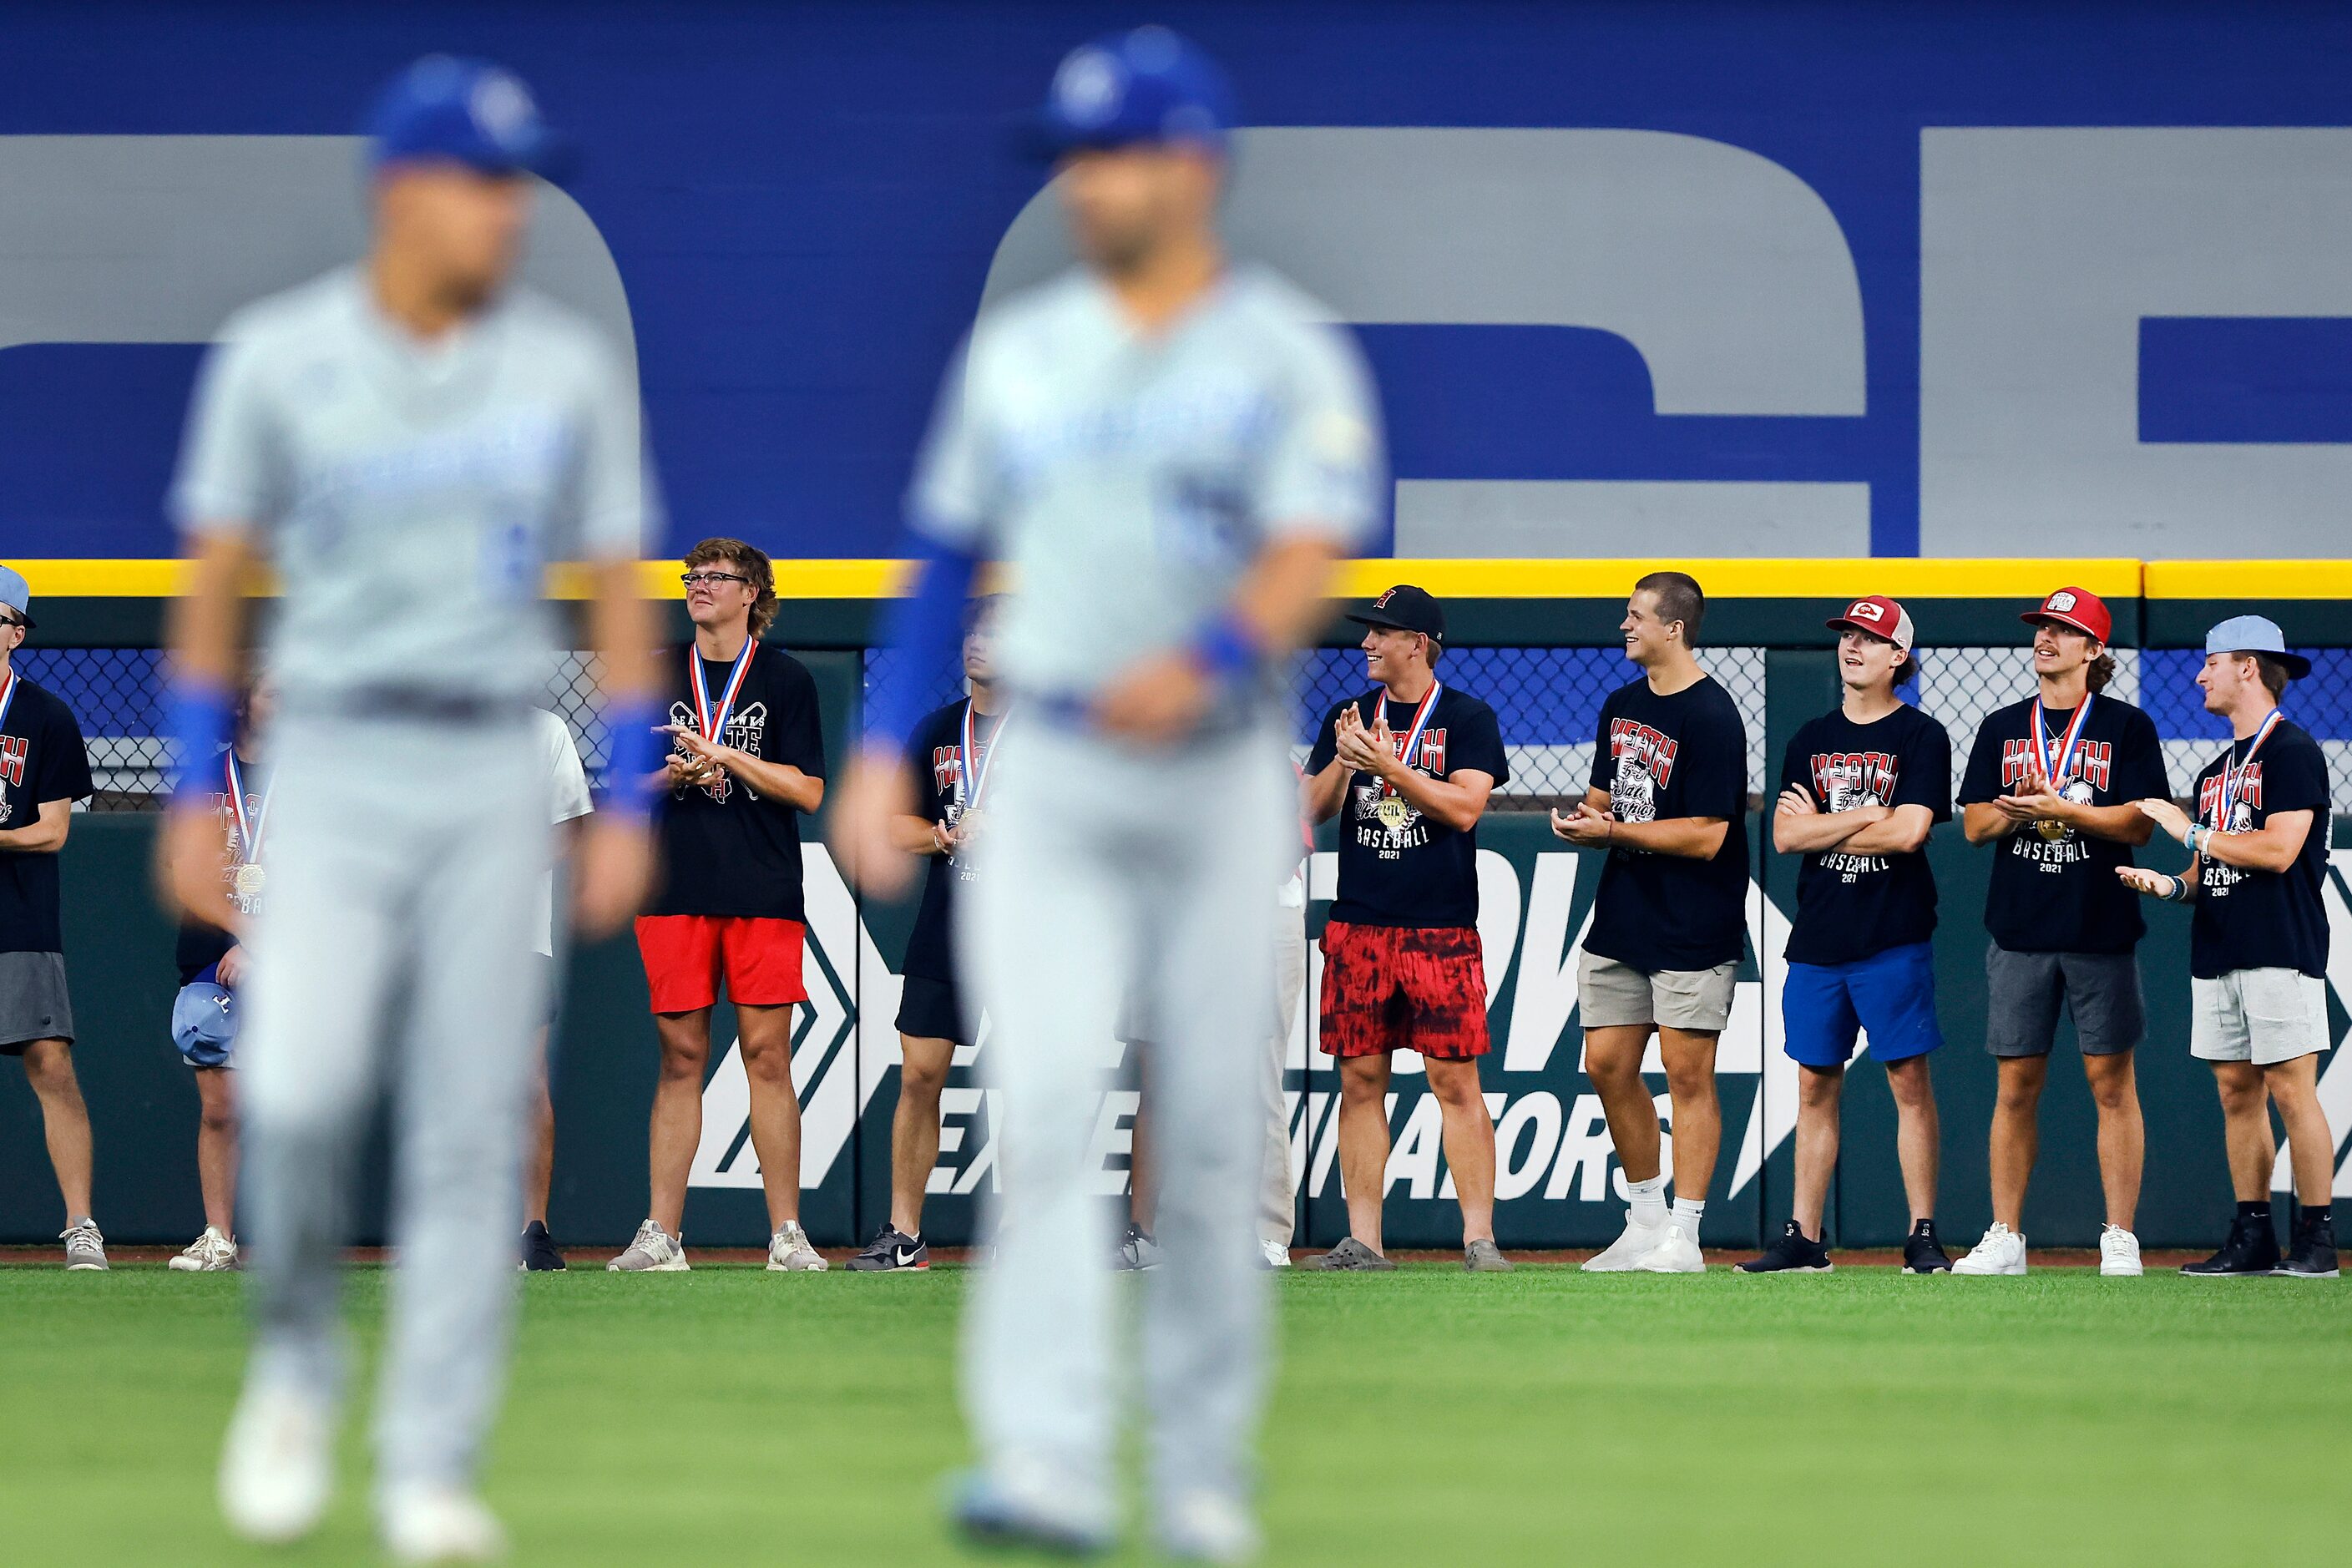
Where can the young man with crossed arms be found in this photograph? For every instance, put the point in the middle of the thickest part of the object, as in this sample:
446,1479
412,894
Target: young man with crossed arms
1408,768
1669,803
750,760
948,756
1860,790
2258,944
2050,783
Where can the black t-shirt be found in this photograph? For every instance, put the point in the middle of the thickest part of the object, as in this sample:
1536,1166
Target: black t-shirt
725,850
1398,868
1661,758
2059,892
1851,906
935,755
41,760
2264,920
201,945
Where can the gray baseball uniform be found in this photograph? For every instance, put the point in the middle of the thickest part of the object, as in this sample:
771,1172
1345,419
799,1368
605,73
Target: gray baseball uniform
1129,479
409,495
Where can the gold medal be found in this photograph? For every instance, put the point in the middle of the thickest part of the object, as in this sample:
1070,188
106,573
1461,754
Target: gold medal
1394,811
2051,831
249,881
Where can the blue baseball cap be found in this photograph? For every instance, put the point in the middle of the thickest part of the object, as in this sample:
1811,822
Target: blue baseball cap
203,1022
1147,85
447,110
16,592
2257,634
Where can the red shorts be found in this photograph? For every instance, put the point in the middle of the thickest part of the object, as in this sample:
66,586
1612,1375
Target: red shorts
685,955
1404,988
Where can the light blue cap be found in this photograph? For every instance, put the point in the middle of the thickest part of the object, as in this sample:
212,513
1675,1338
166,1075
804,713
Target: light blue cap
203,1022
2257,634
16,592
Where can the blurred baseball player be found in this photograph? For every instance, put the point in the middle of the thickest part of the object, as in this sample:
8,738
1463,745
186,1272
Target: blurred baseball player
2258,944
568,801
408,442
1169,452
211,960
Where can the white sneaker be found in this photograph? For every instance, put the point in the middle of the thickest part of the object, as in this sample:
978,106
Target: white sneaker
1677,1252
424,1523
277,1467
1627,1249
84,1249
1276,1255
1209,1527
208,1254
2118,1251
655,1251
2002,1251
789,1252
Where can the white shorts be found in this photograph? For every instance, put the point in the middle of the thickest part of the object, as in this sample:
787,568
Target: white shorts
2259,1016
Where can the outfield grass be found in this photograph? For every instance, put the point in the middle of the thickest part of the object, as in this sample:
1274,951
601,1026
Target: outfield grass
1426,1417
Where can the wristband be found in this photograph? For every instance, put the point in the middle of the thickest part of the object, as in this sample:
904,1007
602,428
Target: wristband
2180,893
1226,648
637,753
2195,838
202,721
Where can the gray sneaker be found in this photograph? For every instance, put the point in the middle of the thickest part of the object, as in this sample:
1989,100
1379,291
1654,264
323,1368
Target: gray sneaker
84,1249
789,1252
1139,1251
655,1251
1485,1257
1350,1255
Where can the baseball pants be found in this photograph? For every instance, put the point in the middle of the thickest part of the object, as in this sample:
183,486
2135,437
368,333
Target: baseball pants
391,951
1104,867
1278,1213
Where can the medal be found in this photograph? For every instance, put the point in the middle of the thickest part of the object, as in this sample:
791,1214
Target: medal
971,771
2056,756
1393,810
712,721
2234,780
248,877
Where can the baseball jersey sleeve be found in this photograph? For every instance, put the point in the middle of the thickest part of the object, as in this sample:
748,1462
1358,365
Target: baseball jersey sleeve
1323,467
953,500
1982,781
231,473
567,779
616,504
63,771
1927,775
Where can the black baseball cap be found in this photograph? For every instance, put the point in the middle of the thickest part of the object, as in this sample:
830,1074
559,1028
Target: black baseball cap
1406,609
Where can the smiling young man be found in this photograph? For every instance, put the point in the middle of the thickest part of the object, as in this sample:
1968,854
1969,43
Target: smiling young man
2050,785
1668,802
1408,769
2258,944
748,762
1861,789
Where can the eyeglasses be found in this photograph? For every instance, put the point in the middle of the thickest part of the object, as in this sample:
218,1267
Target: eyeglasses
713,579
13,621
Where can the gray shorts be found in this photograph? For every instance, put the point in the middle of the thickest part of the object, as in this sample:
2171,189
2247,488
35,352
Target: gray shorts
2261,1015
2025,991
1612,995
32,1001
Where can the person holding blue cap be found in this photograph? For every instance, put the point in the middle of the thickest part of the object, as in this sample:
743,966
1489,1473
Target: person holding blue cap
408,442
211,959
1169,452
44,768
2258,944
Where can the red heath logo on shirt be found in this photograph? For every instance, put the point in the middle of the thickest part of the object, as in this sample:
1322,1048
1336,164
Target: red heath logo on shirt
947,767
1844,780
2094,760
1633,741
12,758
1433,753
2249,786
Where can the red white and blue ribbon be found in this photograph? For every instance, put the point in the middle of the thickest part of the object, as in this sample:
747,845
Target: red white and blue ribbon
7,696
250,824
2234,780
971,776
712,721
1407,752
2056,765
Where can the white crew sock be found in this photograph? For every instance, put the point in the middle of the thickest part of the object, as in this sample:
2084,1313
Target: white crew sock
1648,1201
1687,1213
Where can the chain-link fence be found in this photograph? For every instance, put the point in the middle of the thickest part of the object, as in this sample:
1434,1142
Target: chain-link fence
1546,700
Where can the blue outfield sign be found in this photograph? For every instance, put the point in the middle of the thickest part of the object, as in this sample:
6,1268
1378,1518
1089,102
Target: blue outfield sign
1824,280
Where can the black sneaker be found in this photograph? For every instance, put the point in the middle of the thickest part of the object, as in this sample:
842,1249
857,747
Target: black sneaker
2312,1256
892,1251
1139,1251
1793,1253
1922,1253
2251,1250
539,1254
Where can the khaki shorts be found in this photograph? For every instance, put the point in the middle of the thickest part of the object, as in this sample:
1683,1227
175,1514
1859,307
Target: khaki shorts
1611,994
2262,1015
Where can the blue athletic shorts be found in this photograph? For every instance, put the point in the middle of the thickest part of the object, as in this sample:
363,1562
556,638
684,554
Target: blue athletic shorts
1890,995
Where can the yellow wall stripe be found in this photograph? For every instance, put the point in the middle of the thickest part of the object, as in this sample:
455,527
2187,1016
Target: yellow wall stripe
2252,580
